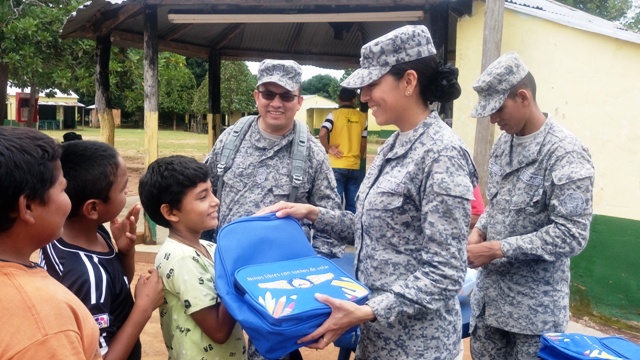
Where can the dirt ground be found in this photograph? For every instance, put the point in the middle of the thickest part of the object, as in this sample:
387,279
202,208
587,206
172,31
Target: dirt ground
135,168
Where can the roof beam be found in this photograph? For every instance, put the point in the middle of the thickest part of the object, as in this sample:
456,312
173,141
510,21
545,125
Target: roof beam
289,3
127,12
179,30
125,39
297,33
227,34
301,58
199,18
98,26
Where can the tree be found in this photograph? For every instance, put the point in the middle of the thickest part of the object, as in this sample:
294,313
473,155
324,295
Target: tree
334,90
32,53
126,79
236,88
320,85
619,11
198,68
176,85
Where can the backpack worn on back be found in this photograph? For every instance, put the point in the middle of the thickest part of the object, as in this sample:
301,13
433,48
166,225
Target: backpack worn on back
267,273
298,153
232,145
563,346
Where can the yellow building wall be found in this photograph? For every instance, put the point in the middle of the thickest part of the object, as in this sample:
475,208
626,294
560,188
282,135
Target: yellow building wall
315,117
589,83
373,127
314,102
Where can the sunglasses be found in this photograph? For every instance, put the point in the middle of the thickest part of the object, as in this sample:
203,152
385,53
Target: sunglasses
270,95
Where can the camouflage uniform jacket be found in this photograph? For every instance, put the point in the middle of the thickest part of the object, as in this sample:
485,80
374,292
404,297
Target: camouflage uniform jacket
410,230
540,203
260,175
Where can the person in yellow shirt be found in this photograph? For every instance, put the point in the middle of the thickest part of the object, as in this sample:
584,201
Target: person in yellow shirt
344,136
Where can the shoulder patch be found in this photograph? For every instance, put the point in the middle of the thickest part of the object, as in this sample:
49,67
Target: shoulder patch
573,204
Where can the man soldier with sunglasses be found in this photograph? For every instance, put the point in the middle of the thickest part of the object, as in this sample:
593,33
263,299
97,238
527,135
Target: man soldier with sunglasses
260,174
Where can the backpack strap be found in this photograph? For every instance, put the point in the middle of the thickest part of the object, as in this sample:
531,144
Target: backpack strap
230,148
298,153
298,158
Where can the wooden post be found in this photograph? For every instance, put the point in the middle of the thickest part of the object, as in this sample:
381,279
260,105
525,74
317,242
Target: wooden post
4,81
150,99
491,44
215,63
103,89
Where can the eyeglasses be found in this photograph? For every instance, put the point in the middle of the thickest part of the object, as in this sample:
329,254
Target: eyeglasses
270,95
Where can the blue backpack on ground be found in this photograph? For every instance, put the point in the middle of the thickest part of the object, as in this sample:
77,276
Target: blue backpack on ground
267,274
563,346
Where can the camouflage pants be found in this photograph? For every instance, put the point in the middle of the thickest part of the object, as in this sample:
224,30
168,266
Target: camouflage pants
490,343
253,354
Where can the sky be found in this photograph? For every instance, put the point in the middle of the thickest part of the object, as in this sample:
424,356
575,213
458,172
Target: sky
308,71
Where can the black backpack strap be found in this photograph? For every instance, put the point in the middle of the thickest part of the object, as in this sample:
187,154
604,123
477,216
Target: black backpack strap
298,157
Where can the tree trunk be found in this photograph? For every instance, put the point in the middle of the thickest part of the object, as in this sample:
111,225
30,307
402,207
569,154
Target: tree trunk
4,82
103,92
33,93
150,26
215,64
175,119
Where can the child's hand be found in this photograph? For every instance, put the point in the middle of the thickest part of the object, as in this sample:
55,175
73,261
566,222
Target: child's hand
124,231
149,293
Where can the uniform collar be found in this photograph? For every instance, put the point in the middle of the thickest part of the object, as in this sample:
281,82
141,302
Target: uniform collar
393,148
260,141
528,152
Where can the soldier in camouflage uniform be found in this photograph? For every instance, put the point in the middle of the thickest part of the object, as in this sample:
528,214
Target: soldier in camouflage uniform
540,202
412,212
261,171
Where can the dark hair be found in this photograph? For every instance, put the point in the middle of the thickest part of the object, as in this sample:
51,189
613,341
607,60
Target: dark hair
71,136
527,82
436,81
346,95
91,169
27,167
166,181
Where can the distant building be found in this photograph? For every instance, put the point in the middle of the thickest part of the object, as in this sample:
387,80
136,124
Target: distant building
57,112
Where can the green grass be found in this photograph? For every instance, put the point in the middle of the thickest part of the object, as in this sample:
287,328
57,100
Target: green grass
130,142
373,144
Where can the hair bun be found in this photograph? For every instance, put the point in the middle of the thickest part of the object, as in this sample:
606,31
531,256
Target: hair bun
446,87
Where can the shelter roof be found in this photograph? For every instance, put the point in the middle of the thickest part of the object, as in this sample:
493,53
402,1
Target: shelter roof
247,33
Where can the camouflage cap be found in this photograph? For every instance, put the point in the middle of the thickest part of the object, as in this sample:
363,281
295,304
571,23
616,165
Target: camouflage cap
496,81
405,44
286,73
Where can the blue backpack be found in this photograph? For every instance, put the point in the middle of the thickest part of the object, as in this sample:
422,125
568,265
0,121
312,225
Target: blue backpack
563,346
267,274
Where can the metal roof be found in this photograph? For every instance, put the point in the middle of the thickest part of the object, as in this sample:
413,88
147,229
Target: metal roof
324,44
43,92
60,103
566,15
